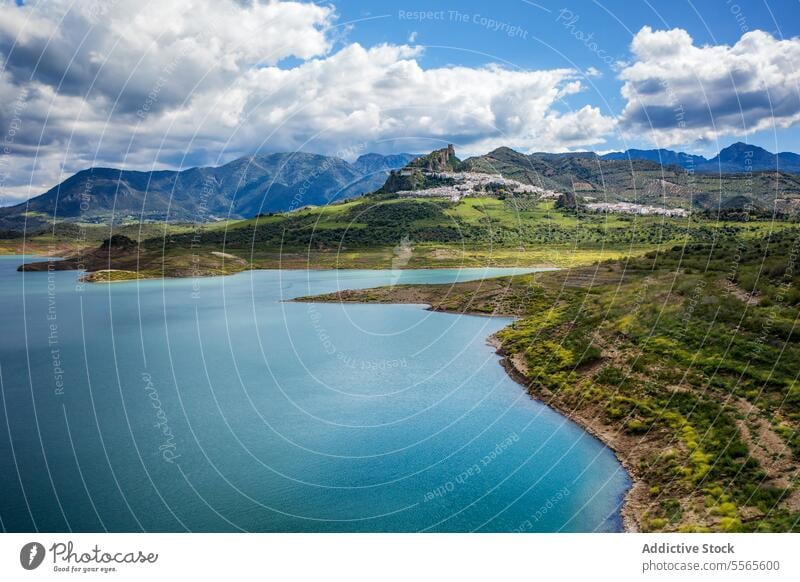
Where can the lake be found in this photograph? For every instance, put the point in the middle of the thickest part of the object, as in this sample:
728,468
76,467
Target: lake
215,405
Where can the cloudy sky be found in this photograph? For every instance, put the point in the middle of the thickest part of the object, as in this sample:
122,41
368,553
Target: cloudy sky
177,83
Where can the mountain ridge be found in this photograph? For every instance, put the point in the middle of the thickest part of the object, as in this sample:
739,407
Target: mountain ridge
241,188
738,157
279,182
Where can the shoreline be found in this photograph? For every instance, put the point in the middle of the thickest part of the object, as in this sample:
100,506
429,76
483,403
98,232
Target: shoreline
96,275
633,496
630,523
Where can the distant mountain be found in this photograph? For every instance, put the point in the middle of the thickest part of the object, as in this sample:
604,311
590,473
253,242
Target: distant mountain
737,158
375,163
740,175
742,157
239,189
659,156
591,177
546,155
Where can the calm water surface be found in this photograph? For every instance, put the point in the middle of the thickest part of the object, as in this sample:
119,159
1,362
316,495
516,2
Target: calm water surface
213,405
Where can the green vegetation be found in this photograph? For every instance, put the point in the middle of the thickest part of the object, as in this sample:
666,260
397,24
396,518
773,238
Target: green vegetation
692,351
364,233
472,222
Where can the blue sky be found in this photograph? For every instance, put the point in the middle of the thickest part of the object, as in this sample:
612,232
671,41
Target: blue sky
458,36
165,84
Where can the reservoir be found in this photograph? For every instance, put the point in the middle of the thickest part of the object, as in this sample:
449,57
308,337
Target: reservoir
215,405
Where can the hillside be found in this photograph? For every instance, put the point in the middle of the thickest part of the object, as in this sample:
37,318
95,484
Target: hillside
491,229
645,182
660,156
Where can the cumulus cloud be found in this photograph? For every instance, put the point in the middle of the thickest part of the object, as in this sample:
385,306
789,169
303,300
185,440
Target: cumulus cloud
119,49
677,92
367,95
173,84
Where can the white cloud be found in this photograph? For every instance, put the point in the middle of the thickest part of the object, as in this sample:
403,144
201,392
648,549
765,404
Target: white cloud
119,49
361,94
176,83
677,92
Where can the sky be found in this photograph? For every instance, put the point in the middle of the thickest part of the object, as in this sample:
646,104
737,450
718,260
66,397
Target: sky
171,84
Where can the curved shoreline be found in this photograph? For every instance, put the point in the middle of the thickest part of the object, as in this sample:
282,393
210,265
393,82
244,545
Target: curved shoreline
634,492
630,524
637,490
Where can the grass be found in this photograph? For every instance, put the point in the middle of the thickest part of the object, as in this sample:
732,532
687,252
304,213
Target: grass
365,232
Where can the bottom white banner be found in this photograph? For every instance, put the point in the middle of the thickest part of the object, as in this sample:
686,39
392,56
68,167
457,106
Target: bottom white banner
402,557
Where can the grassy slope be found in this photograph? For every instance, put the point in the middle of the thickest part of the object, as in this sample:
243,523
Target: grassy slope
365,233
473,232
671,360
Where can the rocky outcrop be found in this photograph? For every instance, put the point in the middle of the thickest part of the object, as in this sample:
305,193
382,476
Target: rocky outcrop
567,201
443,160
419,174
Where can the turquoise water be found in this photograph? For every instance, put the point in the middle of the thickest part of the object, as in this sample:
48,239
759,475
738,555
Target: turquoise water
214,405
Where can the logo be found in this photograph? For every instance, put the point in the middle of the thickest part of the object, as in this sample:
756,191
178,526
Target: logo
31,555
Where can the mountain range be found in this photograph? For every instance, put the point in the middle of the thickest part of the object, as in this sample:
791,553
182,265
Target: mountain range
740,175
242,188
736,158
